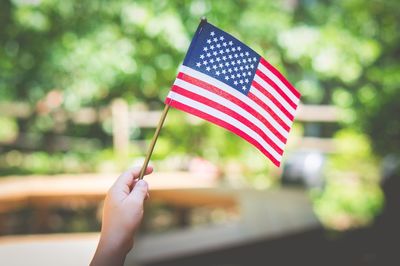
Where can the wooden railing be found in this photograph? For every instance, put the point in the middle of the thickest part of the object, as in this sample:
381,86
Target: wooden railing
124,117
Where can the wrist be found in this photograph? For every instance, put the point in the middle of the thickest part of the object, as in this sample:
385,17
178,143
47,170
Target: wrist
116,242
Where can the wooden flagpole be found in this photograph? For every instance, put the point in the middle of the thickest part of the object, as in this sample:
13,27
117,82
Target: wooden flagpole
154,140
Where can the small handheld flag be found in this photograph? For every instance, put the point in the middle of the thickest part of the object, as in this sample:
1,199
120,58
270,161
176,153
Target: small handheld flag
227,83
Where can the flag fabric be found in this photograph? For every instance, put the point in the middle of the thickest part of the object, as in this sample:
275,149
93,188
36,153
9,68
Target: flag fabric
227,83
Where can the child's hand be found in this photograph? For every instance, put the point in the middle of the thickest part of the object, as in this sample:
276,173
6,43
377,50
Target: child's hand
122,214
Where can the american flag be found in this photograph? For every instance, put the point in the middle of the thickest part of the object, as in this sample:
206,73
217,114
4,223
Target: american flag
225,82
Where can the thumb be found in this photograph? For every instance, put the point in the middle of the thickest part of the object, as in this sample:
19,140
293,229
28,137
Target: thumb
139,193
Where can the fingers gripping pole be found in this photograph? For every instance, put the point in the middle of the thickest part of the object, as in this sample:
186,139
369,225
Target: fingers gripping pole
154,140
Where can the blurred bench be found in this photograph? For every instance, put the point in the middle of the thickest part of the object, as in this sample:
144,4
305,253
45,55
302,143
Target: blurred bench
58,190
43,197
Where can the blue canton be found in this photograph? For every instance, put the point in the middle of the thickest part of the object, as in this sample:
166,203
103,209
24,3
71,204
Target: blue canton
223,57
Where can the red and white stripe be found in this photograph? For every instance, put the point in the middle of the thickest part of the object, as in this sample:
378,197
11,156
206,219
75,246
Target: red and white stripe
263,117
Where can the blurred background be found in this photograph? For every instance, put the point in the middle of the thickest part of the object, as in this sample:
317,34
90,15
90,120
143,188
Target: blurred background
82,85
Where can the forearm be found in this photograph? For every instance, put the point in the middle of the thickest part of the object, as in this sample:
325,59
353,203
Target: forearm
111,252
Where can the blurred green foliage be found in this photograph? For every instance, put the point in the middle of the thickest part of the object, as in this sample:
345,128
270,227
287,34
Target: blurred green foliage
352,196
342,52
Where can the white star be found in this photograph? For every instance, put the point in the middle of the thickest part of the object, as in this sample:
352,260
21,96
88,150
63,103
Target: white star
238,75
226,78
212,47
244,88
230,43
233,49
235,68
224,57
205,62
208,41
235,82
221,51
214,67
235,55
211,60
221,38
246,53
220,65
246,80
244,74
241,67
229,70
198,64
254,59
227,50
215,53
246,66
217,59
224,44
218,45
251,66
208,68
239,48
241,81
202,56
208,54
238,61
227,64
215,39
205,49
232,76
217,73
223,71
212,33
230,56
241,54
244,60
233,63
249,73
